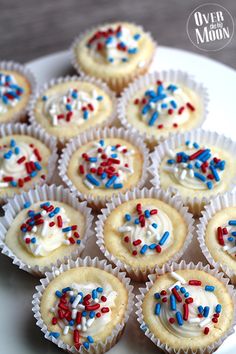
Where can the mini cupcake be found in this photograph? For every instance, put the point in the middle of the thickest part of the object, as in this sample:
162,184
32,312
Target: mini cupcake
197,165
116,53
17,83
217,231
43,227
27,157
104,162
187,308
68,106
83,306
158,104
143,229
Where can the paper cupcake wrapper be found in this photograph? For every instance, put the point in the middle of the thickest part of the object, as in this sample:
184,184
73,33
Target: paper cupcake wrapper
37,133
117,84
202,137
140,273
99,347
97,134
61,80
27,73
175,76
216,204
172,268
44,193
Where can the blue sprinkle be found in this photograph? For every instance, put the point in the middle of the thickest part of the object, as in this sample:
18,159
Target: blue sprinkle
92,314
164,238
196,145
17,150
171,161
100,98
154,225
197,164
108,40
179,318
206,311
233,233
64,290
146,108
38,166
144,249
182,290
27,204
86,345
54,334
132,50
127,217
200,176
84,313
173,104
164,105
209,288
66,229
68,107
74,94
147,213
12,143
72,299
92,180
90,339
111,60
157,296
230,239
190,166
153,119
172,302
157,309
232,222
152,246
71,323
114,156
215,173
94,294
44,98
186,295
56,210
103,175
124,60
33,174
136,221
209,185
200,309
99,290
218,308
110,181
101,142
33,240
78,242
137,36
93,159
85,115
58,294
177,287
118,185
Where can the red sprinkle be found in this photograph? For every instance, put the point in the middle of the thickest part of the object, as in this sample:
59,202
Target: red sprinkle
92,307
186,311
190,106
158,249
105,309
189,300
59,221
195,282
37,154
176,295
172,320
21,160
206,330
54,320
137,242
81,169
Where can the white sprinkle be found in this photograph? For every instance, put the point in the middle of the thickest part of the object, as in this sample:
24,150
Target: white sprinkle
88,184
43,212
66,242
37,250
178,277
84,324
194,320
124,229
232,250
54,120
74,314
226,248
170,152
3,184
66,330
45,228
80,307
191,173
170,169
52,309
183,174
90,322
141,64
205,322
78,327
76,301
34,229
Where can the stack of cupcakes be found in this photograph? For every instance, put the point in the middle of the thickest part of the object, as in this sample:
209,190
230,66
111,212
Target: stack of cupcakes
131,152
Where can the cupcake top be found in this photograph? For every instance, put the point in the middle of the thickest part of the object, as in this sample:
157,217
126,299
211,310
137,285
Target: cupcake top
15,90
196,169
101,167
67,108
83,305
114,50
188,304
220,237
144,232
45,231
23,162
157,107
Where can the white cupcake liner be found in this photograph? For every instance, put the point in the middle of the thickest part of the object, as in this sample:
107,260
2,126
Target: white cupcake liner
139,273
119,83
99,347
61,80
27,73
219,203
175,76
95,134
44,193
171,268
202,137
37,133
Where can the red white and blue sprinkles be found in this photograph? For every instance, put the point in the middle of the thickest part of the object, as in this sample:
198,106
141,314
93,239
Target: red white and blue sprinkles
75,106
106,166
47,223
10,92
19,164
115,44
198,167
77,310
226,237
165,106
146,231
188,306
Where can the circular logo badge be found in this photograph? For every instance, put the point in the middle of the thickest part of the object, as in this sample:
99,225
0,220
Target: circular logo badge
210,27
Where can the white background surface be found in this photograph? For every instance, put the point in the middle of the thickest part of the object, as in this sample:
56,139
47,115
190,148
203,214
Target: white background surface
18,332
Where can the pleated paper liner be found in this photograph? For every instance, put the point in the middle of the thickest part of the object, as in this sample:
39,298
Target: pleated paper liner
171,76
39,134
141,273
202,137
43,193
172,268
217,204
93,135
21,115
113,338
73,79
119,83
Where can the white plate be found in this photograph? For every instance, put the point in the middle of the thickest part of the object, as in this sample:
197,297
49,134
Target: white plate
18,332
